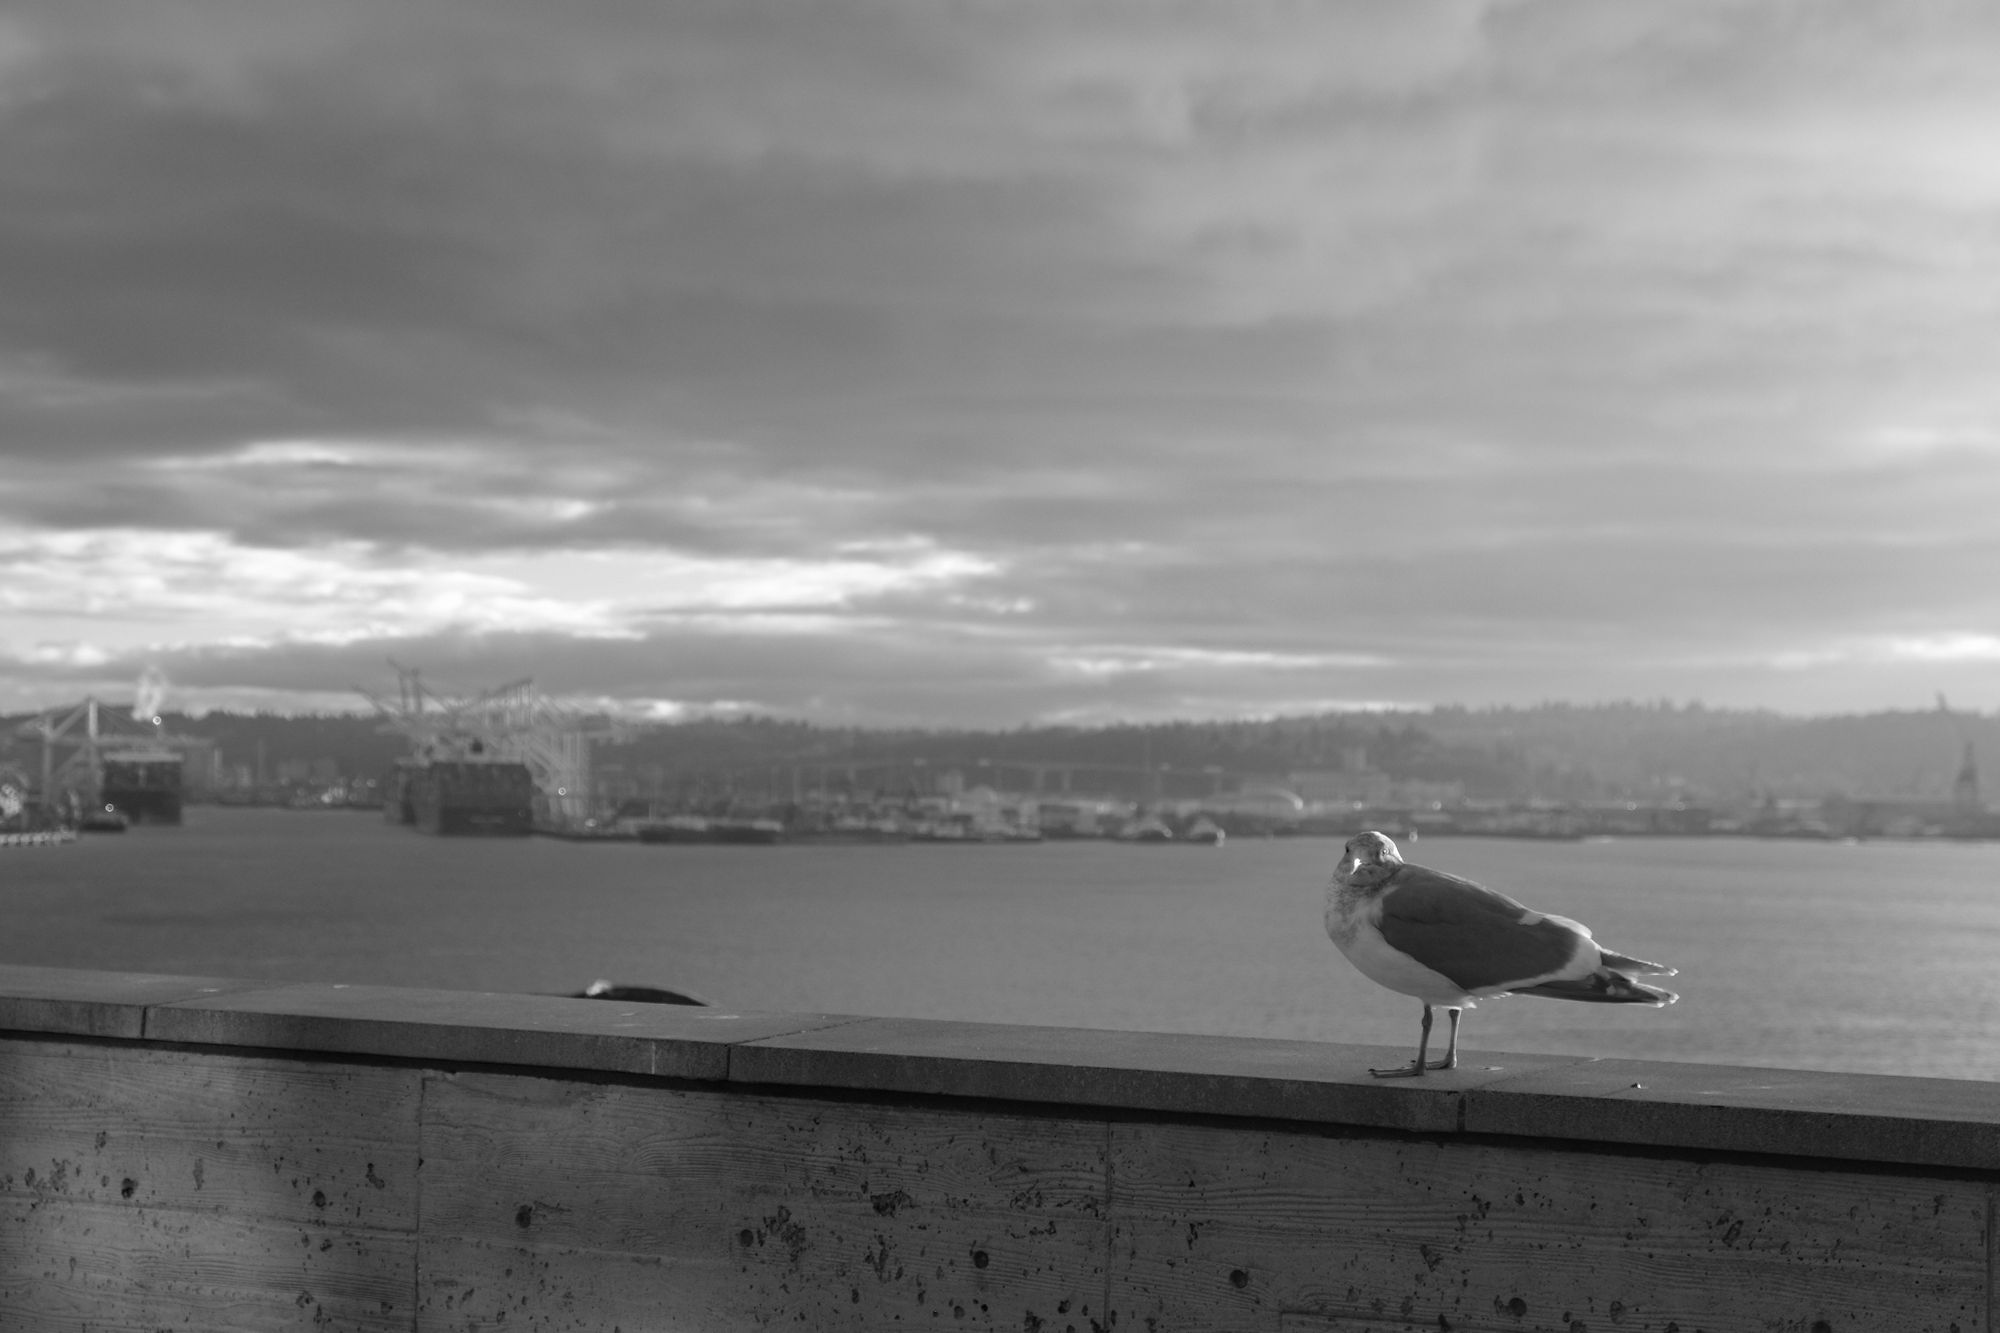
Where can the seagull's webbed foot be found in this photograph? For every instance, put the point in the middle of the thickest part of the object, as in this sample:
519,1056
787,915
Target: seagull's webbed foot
1417,1067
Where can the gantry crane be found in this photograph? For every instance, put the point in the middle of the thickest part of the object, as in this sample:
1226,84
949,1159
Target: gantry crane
512,721
82,743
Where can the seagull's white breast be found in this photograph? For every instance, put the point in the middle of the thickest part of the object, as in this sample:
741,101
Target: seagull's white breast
1353,923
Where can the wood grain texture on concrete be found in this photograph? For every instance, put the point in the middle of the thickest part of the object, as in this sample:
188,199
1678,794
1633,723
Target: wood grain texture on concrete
98,1266
759,1210
294,1141
1220,1228
149,1188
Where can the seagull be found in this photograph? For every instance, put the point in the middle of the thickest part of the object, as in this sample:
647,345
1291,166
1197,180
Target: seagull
1448,940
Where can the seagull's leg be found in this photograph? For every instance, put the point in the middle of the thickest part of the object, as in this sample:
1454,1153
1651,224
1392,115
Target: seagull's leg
1416,1067
1450,1060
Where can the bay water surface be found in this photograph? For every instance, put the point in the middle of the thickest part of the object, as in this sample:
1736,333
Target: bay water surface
1870,957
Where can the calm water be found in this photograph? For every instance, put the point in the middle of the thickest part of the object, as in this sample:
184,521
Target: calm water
1872,957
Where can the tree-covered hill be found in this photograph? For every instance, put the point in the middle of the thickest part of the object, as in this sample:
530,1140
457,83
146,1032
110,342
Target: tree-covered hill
1557,750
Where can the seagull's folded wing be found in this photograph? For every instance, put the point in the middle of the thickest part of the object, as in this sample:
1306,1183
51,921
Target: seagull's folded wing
1483,941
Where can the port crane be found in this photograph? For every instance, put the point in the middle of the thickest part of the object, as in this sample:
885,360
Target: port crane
511,721
78,743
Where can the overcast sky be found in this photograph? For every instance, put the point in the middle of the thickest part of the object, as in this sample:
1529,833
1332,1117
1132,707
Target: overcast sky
996,363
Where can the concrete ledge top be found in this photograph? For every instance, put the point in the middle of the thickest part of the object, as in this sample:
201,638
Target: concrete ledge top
1856,1117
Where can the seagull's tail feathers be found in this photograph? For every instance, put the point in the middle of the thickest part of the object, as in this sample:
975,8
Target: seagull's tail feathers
1603,986
1620,963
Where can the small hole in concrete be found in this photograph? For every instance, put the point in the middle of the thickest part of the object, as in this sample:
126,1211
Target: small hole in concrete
1238,1278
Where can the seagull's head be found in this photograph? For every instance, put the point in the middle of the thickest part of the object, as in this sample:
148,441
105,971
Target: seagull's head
1370,858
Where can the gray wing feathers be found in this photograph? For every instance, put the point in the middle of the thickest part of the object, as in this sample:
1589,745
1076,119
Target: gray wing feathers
1603,987
1484,941
1481,940
1618,962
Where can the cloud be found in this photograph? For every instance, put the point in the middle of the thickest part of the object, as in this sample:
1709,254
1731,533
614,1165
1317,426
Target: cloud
1002,361
156,584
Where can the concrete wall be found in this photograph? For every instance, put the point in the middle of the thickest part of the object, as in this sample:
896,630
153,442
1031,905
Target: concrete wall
212,1154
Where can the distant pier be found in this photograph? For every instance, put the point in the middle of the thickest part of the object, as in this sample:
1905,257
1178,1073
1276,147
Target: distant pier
39,838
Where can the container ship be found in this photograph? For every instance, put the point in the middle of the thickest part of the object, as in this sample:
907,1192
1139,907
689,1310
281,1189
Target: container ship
142,785
466,794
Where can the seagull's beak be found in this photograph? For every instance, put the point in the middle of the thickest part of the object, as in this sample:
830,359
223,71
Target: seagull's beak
1348,865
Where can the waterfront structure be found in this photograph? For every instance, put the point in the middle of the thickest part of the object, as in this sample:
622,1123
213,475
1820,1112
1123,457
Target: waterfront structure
95,764
462,1158
467,794
469,758
144,785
